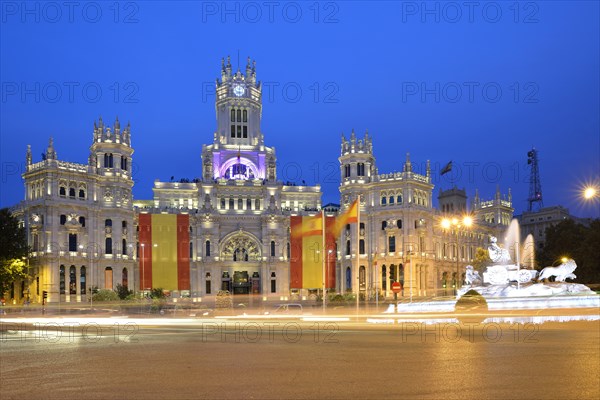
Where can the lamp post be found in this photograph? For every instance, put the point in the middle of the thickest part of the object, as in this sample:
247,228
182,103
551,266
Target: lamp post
446,224
142,281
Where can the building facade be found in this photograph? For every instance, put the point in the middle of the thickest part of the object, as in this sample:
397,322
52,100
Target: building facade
230,229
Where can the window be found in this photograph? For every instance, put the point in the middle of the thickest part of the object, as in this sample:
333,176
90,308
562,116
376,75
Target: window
124,224
222,203
392,244
399,224
62,191
348,248
248,204
191,249
72,192
245,130
257,204
124,163
287,250
232,131
272,248
360,169
399,199
81,194
207,251
108,245
72,242
240,204
383,225
362,227
362,277
391,199
245,118
108,222
231,203
383,200
346,171
63,219
239,115
82,280
124,249
72,280
108,278
361,246
232,115
62,279
273,285
125,278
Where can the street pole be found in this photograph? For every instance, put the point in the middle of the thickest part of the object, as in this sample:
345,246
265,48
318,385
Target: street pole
142,282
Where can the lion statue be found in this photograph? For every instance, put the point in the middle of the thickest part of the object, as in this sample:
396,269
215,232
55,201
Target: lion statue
562,272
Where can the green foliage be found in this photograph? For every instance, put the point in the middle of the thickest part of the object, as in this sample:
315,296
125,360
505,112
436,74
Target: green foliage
13,248
336,298
572,240
123,292
157,293
105,295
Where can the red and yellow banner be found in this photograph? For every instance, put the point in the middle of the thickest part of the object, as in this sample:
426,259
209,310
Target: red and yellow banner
306,264
164,251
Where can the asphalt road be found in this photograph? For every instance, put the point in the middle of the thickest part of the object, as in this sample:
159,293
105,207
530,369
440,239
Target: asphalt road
289,358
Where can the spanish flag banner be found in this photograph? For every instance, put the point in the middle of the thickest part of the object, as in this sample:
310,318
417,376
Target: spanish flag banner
350,216
306,262
164,256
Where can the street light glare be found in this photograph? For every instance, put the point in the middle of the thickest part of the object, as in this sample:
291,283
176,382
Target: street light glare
445,223
589,193
468,221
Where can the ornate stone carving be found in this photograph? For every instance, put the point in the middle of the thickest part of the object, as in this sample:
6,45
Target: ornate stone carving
241,248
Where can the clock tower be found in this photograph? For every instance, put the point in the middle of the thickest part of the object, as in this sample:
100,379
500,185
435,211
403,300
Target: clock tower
238,151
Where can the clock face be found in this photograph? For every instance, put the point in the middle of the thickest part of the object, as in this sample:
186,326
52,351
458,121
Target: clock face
238,90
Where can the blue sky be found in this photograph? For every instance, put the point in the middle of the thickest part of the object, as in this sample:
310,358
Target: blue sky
479,86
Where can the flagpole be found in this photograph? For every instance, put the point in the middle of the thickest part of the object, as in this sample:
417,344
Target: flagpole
357,253
324,255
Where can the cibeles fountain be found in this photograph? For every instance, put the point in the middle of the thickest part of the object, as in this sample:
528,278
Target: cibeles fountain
515,284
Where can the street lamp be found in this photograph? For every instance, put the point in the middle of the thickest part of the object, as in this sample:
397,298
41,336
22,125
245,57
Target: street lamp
466,222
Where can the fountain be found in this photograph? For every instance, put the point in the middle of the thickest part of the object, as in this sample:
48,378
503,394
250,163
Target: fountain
507,279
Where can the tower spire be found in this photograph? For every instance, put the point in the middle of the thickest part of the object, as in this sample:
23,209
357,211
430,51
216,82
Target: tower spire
535,185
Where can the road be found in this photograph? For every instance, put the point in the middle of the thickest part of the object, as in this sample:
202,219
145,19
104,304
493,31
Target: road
232,358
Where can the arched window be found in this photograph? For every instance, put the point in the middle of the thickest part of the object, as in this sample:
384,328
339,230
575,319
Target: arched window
348,278
240,204
257,204
348,247
232,115
383,225
108,222
399,199
81,194
125,278
63,219
82,280
72,280
245,117
383,200
191,250
108,245
231,203
362,277
72,242
383,278
361,246
391,199
239,115
124,245
72,192
248,204
392,244
287,250
399,223
62,279
207,251
62,191
272,248
108,278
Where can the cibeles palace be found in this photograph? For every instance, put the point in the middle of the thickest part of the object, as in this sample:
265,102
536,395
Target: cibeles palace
230,229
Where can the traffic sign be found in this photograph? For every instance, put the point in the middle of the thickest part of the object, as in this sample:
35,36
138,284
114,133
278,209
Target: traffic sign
396,287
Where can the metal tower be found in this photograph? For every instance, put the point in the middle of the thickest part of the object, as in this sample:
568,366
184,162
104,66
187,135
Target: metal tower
535,185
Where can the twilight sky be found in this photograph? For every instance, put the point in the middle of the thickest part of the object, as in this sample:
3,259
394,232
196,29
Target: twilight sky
478,83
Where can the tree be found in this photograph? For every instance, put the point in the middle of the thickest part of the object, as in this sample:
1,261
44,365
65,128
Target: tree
572,240
482,259
13,249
